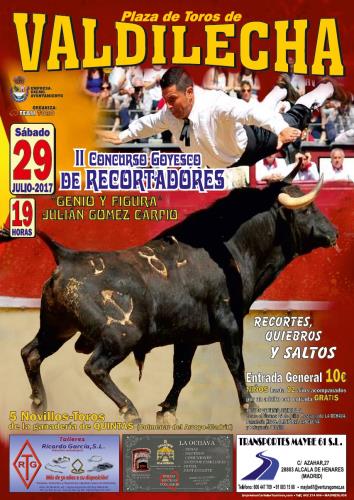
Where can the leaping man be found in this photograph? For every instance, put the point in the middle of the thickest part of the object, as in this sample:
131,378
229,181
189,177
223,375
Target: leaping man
227,131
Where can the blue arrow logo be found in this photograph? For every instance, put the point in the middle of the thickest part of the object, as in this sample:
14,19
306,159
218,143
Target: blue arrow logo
267,470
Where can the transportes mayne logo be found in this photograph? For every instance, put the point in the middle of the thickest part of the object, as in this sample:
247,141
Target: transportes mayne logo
27,464
267,470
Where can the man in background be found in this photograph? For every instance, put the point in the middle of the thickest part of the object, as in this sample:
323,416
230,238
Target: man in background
338,169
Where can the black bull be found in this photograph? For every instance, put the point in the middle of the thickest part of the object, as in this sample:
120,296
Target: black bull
190,286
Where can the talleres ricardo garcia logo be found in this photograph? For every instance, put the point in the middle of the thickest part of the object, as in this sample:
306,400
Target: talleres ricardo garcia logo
266,471
27,464
19,91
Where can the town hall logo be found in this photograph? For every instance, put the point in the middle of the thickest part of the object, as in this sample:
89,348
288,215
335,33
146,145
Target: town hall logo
27,464
165,454
266,471
19,92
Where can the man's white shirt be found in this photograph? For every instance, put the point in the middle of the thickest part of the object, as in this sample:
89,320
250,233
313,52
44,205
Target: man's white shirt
309,174
346,173
216,126
263,171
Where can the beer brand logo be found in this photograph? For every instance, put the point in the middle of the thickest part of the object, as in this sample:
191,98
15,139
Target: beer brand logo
27,464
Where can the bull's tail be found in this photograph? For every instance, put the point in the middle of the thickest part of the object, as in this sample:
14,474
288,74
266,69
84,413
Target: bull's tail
140,359
59,252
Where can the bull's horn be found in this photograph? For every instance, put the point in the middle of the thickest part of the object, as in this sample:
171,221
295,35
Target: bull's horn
291,175
293,203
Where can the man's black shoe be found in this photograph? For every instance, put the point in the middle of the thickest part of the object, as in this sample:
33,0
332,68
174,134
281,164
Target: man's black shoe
285,83
339,94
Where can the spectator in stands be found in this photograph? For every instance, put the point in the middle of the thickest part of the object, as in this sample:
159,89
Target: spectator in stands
247,75
344,119
137,104
232,84
92,82
337,169
117,79
105,99
315,132
246,92
134,74
308,169
271,168
346,137
215,79
329,112
120,87
134,106
234,81
105,103
152,77
121,90
298,82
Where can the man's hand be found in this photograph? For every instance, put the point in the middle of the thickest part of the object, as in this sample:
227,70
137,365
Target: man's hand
108,136
273,177
289,134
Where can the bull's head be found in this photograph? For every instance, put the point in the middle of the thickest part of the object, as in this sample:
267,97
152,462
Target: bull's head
309,228
298,201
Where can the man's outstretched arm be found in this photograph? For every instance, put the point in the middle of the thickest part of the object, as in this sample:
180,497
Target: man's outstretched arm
108,136
145,126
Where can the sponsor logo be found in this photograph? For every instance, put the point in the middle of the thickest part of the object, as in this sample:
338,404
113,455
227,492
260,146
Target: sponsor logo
19,92
266,471
27,464
140,459
170,480
165,454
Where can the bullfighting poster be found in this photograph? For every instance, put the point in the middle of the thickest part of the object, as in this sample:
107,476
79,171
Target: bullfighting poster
176,241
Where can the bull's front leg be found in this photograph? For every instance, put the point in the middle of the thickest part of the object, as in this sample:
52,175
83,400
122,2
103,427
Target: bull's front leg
232,352
182,362
98,368
231,346
33,355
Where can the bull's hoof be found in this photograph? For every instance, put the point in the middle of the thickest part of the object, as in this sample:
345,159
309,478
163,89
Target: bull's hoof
38,405
246,408
166,417
131,417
